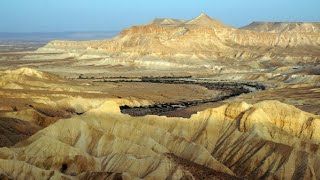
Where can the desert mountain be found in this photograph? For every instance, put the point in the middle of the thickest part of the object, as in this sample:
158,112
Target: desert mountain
205,20
202,41
283,26
201,20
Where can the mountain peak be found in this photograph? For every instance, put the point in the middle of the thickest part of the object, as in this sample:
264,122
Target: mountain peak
203,15
165,21
205,20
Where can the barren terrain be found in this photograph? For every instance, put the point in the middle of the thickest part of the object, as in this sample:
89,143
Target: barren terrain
172,99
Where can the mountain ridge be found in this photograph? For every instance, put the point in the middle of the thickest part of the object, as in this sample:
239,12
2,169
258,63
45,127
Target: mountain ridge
171,43
283,26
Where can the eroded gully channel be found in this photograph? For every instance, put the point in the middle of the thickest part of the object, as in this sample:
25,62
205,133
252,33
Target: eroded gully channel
230,89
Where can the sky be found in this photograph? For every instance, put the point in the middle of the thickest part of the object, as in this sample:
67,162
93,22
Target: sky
114,15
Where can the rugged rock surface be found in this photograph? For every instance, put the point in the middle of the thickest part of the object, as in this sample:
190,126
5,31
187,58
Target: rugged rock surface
85,137
264,140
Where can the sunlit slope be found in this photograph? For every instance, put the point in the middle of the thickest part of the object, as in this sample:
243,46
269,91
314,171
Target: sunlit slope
261,140
200,41
284,26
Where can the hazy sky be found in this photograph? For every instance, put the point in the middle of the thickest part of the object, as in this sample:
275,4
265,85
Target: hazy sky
106,15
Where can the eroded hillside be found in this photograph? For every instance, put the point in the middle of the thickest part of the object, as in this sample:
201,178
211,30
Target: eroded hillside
81,134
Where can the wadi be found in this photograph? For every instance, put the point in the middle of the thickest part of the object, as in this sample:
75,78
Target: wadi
169,99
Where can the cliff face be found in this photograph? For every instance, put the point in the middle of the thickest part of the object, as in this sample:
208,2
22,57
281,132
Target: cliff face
204,38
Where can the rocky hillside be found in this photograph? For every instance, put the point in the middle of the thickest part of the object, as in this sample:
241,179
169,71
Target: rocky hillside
54,128
234,141
202,40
